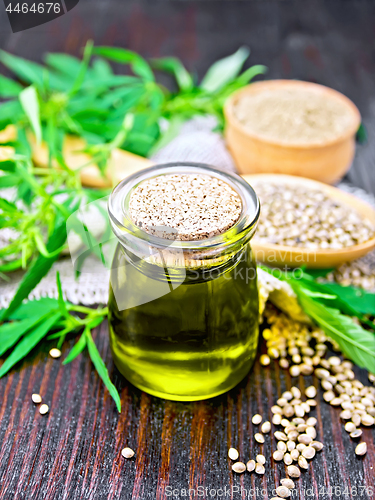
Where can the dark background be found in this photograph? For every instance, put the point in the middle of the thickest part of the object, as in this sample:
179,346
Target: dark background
330,42
74,452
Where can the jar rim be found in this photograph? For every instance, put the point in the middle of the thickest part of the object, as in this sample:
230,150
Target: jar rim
122,224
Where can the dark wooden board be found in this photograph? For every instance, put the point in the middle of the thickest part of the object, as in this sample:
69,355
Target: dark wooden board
75,451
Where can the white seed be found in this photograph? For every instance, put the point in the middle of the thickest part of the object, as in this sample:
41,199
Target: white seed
317,445
265,360
310,392
290,445
293,471
288,460
276,419
276,409
346,415
356,419
328,396
280,436
259,469
305,439
287,395
300,447
356,434
284,363
288,410
311,422
288,483
367,420
266,427
308,452
127,453
310,431
301,428
239,467
350,427
302,462
335,402
296,392
259,438
285,422
233,453
278,455
361,449
294,371
311,402
261,459
322,373
55,353
250,466
36,398
43,409
281,446
283,492
294,454
292,435
256,420
334,361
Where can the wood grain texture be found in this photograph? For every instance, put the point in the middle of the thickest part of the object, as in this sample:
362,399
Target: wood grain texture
75,451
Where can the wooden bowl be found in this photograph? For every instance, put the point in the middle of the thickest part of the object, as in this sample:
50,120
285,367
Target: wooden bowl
280,255
326,162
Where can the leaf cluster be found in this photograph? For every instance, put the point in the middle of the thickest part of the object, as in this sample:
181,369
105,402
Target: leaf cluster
29,323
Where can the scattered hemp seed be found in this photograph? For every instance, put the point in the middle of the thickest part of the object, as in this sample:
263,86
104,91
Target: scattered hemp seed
283,492
256,420
308,452
233,454
259,438
239,467
36,398
127,453
288,483
266,427
310,392
250,466
302,462
361,449
317,445
278,455
55,353
356,434
261,459
293,471
44,409
350,427
265,360
259,469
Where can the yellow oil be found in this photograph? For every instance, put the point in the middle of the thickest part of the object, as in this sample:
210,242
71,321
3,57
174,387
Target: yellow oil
197,341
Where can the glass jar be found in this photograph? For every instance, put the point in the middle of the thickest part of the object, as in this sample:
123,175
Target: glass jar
183,315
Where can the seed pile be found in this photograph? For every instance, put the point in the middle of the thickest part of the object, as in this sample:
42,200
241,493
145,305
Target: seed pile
359,273
293,116
190,206
300,217
304,350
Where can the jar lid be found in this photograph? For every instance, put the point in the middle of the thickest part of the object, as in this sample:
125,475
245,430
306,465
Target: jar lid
138,209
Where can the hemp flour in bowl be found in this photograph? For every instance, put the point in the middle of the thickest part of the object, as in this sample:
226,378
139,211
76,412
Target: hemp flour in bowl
292,127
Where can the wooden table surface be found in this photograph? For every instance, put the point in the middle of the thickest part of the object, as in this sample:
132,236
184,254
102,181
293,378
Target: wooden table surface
74,451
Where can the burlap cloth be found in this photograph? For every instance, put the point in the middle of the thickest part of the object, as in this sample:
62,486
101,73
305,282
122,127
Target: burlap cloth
197,143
